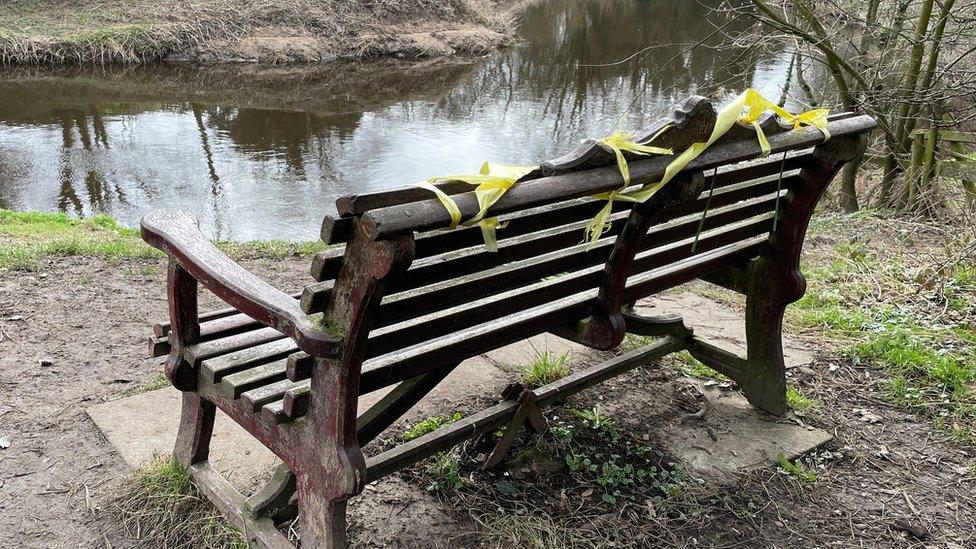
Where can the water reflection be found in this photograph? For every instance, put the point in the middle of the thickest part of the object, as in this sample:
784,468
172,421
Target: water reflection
263,153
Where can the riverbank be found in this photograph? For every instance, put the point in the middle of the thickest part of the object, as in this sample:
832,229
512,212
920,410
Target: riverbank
209,31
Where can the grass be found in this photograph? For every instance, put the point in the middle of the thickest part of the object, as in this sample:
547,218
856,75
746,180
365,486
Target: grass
796,470
545,368
27,238
797,401
160,506
901,300
690,366
158,382
428,425
443,469
532,531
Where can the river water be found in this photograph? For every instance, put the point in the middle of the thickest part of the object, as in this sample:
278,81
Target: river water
262,153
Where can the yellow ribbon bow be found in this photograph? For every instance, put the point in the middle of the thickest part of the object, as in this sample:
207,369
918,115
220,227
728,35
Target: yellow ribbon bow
618,142
756,105
492,181
747,108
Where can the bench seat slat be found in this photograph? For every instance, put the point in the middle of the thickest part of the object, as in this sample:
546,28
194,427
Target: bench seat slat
215,368
235,384
161,329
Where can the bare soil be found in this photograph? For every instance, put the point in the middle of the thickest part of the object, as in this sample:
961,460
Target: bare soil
73,334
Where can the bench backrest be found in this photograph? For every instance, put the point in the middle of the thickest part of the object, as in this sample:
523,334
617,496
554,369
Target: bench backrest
441,297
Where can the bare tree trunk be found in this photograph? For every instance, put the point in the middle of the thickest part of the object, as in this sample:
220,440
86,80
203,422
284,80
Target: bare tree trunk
933,61
784,95
848,187
802,81
901,139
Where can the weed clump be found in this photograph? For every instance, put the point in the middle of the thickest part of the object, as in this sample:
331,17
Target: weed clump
796,470
428,425
545,368
160,506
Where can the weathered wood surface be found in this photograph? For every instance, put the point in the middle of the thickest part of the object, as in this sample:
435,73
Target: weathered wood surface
178,234
431,214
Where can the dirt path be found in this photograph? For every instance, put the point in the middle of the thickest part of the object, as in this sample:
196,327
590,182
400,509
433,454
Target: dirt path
74,332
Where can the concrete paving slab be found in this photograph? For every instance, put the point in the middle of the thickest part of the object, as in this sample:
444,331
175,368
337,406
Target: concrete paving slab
143,426
734,437
512,357
715,321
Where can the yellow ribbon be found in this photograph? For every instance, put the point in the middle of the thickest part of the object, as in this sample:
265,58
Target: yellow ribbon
747,108
619,141
756,105
492,181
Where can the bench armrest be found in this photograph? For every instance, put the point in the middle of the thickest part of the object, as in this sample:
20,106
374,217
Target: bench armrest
178,234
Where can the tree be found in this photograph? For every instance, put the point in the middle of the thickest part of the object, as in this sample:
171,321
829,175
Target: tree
906,80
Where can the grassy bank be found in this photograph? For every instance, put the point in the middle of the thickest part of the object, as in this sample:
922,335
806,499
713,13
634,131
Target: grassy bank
28,237
99,31
899,295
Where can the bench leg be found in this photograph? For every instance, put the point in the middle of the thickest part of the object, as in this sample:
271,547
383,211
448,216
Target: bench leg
196,430
764,382
322,517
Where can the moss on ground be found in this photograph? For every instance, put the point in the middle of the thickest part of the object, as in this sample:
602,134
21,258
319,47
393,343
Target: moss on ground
26,238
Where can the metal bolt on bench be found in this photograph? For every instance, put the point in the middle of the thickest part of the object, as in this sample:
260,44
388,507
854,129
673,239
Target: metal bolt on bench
394,301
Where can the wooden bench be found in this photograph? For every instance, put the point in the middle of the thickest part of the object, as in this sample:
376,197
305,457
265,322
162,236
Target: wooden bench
395,301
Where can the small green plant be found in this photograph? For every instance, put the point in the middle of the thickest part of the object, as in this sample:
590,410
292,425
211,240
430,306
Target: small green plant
690,366
594,418
632,342
545,368
796,469
444,470
429,425
797,401
618,465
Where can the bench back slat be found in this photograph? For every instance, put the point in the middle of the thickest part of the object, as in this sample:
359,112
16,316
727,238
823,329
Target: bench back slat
327,263
474,259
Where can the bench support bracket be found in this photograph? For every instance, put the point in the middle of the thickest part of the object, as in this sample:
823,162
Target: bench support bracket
527,411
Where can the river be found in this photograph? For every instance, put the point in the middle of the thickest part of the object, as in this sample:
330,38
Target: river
262,153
